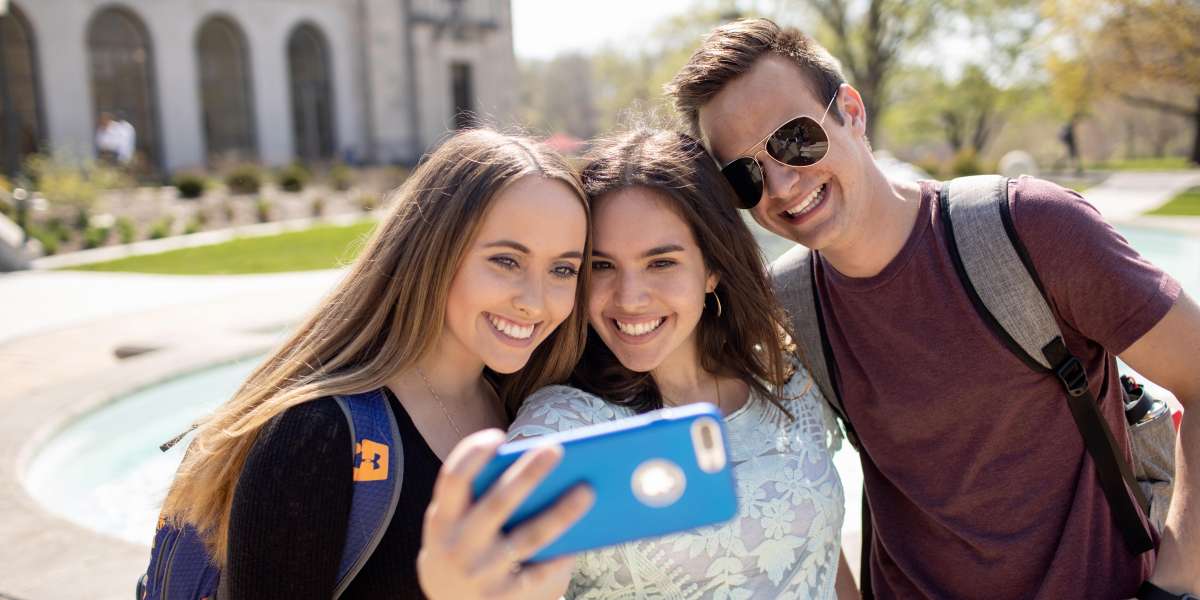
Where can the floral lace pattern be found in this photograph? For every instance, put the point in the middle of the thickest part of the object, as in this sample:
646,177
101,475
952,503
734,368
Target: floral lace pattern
783,543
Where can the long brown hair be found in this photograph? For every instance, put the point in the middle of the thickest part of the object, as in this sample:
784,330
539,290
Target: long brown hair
748,340
383,317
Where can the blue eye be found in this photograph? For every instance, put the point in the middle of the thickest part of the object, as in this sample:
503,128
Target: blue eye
565,272
507,263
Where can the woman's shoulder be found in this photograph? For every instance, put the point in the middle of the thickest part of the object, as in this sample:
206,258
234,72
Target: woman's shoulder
303,434
560,408
803,399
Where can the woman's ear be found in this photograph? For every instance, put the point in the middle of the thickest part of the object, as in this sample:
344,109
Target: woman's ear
711,282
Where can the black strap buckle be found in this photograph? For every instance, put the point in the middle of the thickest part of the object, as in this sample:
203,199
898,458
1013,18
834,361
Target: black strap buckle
1073,377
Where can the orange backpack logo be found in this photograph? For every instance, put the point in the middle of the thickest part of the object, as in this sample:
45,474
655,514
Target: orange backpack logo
370,461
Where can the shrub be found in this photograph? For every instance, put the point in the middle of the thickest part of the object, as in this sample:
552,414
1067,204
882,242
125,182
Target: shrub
126,230
94,237
58,229
931,165
193,226
47,238
83,218
368,202
965,163
292,178
161,228
228,210
190,185
341,177
244,179
65,183
263,209
318,206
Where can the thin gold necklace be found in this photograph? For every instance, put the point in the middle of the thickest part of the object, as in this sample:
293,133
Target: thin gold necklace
717,384
429,387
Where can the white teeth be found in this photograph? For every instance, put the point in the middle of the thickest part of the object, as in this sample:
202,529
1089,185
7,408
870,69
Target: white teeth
637,329
512,330
808,203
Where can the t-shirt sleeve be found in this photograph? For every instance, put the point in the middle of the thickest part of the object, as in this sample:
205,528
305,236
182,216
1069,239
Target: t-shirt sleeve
291,506
559,408
1096,282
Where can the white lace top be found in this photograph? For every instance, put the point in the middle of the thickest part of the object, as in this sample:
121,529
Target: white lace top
785,539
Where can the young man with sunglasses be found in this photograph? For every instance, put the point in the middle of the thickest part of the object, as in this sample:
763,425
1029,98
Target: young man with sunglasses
976,475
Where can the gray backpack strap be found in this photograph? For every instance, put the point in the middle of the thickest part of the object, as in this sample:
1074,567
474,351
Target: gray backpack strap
792,275
998,276
1012,297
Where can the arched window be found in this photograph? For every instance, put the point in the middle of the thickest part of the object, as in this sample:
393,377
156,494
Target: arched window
20,107
312,95
122,76
224,71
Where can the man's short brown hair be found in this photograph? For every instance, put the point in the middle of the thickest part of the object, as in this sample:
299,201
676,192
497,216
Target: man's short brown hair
732,49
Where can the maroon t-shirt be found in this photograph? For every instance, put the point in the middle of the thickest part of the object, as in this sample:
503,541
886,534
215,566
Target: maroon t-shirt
978,479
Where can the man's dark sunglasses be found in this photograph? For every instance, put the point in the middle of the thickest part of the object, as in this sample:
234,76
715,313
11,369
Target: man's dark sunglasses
800,142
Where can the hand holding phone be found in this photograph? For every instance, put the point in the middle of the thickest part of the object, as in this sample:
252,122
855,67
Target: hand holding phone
652,474
465,554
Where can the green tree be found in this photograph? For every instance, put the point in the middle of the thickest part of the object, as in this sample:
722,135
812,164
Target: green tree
870,40
558,95
1138,50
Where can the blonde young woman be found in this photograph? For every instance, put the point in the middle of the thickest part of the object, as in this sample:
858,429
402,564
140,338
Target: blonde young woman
681,311
460,305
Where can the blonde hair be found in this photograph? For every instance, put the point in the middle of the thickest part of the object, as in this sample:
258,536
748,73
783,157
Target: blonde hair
383,317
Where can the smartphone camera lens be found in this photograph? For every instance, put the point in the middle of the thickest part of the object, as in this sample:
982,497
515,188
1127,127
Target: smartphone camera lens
658,483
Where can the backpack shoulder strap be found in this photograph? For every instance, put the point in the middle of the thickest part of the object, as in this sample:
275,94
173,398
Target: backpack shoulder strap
995,270
1000,281
793,277
378,478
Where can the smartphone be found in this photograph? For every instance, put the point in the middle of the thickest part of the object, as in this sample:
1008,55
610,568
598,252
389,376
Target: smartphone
653,474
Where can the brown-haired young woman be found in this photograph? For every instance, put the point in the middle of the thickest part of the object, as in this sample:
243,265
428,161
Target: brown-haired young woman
461,304
681,311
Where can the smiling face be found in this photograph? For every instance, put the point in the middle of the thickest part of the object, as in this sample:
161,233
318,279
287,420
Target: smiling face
516,283
820,205
648,280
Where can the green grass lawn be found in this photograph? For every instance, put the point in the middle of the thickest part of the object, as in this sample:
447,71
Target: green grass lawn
323,247
1186,203
1165,163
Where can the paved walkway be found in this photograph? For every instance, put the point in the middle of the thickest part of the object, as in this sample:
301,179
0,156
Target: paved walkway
1126,195
58,333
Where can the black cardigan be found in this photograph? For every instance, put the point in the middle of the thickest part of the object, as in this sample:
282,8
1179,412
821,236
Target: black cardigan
292,504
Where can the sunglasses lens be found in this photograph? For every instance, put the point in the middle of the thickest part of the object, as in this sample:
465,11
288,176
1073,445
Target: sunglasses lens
799,142
746,178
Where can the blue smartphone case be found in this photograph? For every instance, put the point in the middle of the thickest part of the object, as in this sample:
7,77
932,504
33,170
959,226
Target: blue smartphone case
606,456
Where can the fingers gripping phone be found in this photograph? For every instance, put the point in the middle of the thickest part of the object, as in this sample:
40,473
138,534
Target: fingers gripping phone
653,474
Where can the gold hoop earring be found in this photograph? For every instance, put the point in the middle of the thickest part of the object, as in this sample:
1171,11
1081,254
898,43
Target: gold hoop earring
718,299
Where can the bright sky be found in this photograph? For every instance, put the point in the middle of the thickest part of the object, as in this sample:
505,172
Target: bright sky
544,28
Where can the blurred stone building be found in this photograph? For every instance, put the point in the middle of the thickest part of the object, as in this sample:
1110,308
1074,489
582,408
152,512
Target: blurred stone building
210,81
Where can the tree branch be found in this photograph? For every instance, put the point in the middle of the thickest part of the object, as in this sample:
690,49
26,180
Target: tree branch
1159,105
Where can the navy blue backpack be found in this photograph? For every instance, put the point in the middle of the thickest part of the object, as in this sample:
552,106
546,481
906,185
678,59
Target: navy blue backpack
182,569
